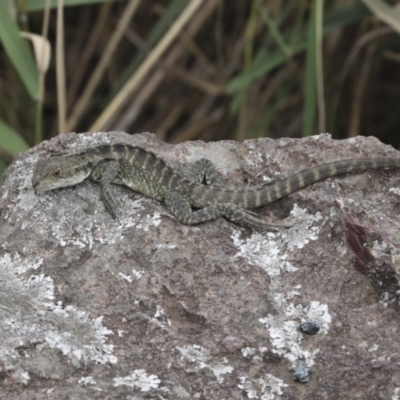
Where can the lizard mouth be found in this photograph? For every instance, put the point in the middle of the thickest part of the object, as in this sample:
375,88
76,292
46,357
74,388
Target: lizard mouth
39,187
35,186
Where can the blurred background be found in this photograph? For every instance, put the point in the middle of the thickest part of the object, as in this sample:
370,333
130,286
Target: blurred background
198,69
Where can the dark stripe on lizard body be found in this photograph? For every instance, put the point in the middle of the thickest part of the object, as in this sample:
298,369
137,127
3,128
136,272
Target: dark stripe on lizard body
164,178
249,197
147,173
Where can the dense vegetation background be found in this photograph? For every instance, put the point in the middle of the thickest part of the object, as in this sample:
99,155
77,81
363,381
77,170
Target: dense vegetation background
198,69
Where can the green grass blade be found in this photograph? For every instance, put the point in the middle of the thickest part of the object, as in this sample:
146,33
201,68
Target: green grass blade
274,30
10,140
38,5
18,51
310,82
266,64
333,19
319,66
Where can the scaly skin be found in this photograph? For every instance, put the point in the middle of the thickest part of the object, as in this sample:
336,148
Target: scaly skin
146,173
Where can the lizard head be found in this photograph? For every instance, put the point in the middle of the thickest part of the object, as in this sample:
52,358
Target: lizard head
57,172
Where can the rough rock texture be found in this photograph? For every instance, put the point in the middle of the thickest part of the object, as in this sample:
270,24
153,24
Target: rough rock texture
147,308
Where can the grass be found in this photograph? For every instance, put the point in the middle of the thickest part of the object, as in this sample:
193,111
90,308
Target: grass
198,69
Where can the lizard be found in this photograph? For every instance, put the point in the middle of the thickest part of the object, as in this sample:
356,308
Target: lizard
145,172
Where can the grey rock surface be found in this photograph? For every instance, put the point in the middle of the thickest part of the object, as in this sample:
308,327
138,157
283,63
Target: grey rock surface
147,308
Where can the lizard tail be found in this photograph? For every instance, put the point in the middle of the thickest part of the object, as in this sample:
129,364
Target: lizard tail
276,190
252,197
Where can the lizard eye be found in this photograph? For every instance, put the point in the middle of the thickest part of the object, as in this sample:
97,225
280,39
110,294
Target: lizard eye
56,173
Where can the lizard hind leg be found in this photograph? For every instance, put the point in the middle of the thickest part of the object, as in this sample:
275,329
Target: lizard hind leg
180,207
203,170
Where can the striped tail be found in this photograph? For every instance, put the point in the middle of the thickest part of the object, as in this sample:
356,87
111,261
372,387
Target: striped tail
252,197
283,187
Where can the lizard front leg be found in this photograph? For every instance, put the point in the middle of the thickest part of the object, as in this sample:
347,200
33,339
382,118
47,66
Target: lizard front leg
180,207
105,173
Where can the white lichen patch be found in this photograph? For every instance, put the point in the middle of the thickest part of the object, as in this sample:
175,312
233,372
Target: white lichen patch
128,278
162,246
88,229
26,198
85,338
22,264
284,329
137,274
148,221
396,394
265,253
256,355
17,295
140,379
87,380
304,229
94,139
202,358
395,191
254,157
29,315
262,388
270,252
22,376
248,352
378,246
161,317
374,347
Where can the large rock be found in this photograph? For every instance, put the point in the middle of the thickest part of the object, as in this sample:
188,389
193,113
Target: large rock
147,308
